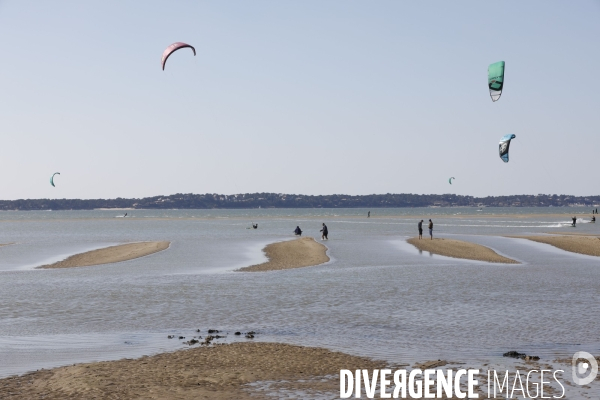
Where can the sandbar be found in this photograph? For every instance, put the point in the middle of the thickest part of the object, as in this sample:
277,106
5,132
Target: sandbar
460,249
301,252
218,372
108,255
588,245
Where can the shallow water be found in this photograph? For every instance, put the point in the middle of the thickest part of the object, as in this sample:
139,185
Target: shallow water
378,297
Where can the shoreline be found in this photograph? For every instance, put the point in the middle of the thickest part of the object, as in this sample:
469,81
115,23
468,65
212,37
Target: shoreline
588,245
219,372
460,249
296,253
109,255
415,215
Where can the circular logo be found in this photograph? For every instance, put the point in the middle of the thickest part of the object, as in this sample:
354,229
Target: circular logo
582,368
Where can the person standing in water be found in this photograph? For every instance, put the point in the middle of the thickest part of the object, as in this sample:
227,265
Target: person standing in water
325,232
369,214
431,229
298,231
574,220
420,226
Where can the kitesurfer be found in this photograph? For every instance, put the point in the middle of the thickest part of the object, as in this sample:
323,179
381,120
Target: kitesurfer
420,226
574,220
125,215
431,229
325,232
298,231
593,219
369,214
254,226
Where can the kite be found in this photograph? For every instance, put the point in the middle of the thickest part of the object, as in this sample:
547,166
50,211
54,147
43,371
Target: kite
450,180
52,178
496,79
173,48
504,145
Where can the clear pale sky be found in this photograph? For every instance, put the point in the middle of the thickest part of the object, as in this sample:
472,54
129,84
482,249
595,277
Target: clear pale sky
311,97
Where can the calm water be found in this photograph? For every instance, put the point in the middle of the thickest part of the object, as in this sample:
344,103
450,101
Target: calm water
378,297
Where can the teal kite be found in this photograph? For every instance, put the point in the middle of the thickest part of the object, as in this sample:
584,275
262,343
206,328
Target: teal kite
504,146
450,180
496,79
52,178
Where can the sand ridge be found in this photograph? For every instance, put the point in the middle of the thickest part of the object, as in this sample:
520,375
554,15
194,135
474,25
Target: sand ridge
301,252
112,254
460,249
218,372
588,245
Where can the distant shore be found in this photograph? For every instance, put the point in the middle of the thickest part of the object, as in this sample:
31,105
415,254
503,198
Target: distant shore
211,201
588,245
298,253
109,255
219,372
459,249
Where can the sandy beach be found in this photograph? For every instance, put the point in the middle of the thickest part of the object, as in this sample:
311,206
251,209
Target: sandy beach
108,255
589,245
460,249
301,252
218,372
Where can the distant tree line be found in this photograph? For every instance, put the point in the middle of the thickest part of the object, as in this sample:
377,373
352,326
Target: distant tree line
279,200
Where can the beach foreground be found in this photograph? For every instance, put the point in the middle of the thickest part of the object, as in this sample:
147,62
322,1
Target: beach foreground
302,252
111,254
218,372
460,249
589,245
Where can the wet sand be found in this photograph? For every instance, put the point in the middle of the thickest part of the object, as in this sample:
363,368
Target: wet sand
572,234
588,245
460,249
301,252
218,372
110,255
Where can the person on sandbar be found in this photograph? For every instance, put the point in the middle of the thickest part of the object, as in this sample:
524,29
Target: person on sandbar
420,226
431,229
298,231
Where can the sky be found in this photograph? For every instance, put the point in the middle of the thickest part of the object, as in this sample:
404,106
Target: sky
305,97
